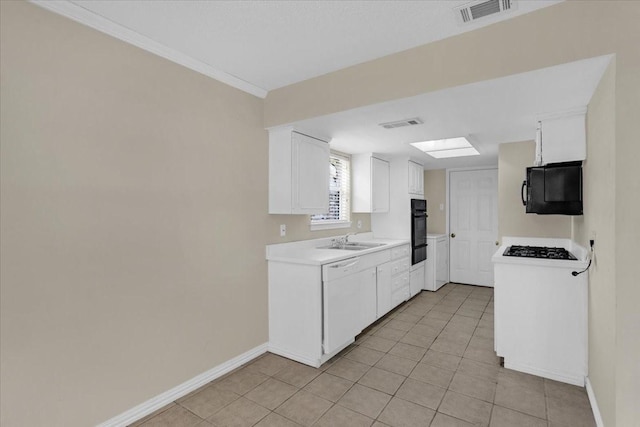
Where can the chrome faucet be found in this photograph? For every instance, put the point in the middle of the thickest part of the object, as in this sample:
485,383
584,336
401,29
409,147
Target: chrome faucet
341,241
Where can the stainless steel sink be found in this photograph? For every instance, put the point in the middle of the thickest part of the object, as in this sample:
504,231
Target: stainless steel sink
353,246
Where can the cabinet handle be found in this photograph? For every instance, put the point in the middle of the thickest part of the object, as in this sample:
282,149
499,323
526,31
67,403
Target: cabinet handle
497,243
453,235
351,264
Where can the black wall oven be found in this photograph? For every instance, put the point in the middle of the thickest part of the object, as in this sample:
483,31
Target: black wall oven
418,230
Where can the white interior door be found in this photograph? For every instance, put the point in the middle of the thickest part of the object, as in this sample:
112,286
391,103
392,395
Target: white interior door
473,225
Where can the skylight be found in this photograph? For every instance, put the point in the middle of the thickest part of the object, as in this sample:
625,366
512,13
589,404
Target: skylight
449,147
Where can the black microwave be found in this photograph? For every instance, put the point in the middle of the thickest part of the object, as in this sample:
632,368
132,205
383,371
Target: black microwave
555,188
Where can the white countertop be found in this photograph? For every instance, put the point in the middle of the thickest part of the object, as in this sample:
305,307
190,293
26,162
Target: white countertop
308,252
578,251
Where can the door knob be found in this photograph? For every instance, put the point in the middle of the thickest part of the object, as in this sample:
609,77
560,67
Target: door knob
453,235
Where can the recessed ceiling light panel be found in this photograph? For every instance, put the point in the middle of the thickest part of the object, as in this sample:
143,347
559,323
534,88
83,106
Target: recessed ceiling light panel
458,152
449,147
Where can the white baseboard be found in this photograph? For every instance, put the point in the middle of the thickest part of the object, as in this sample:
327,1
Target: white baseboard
183,389
293,356
565,377
594,404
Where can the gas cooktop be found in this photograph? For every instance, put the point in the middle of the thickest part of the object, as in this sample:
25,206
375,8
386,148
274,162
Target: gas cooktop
539,252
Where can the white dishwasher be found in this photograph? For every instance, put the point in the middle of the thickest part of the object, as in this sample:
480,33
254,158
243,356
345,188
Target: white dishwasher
349,301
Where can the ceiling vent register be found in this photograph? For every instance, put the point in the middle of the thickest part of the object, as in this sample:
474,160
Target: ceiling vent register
479,9
402,123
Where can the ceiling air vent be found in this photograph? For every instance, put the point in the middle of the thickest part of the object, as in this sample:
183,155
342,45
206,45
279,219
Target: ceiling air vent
402,123
479,9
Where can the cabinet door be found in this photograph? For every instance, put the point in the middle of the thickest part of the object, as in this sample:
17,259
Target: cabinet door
310,174
416,280
383,282
341,310
379,185
416,179
564,138
368,297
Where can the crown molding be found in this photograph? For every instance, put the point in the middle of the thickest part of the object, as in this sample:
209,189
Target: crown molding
79,14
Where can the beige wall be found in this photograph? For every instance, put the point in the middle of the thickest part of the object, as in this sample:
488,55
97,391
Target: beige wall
133,221
513,159
573,30
298,228
435,191
598,222
558,34
627,208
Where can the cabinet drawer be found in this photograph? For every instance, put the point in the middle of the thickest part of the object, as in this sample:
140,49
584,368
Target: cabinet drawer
400,265
400,251
400,281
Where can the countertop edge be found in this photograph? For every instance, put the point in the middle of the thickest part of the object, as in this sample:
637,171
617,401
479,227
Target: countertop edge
318,257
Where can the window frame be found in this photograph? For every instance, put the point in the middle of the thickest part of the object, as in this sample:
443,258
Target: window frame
326,224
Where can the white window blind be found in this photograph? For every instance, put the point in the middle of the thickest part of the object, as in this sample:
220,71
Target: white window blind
339,191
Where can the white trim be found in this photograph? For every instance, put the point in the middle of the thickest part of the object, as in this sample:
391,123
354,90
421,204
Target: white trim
84,16
328,225
447,200
562,377
294,356
594,404
163,399
563,113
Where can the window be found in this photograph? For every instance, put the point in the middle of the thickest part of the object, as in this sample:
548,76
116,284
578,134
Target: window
339,214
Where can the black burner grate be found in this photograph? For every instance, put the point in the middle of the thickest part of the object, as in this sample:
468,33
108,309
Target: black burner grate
539,252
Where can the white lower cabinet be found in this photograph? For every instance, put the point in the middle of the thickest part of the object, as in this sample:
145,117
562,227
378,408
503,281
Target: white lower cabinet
437,264
416,278
400,290
383,283
368,297
541,318
393,281
316,311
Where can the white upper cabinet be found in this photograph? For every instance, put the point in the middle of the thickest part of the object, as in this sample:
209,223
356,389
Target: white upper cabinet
370,183
416,179
298,173
564,137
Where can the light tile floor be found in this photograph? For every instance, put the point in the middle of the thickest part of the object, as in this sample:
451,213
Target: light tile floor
430,362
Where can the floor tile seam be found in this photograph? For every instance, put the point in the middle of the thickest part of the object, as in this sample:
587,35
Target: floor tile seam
585,405
220,409
472,375
465,394
456,418
291,397
387,404
493,407
440,405
321,397
140,423
471,422
546,420
361,385
423,382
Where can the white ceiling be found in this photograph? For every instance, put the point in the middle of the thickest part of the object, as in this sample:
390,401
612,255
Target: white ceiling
262,45
489,113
